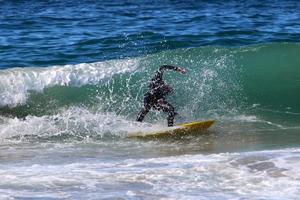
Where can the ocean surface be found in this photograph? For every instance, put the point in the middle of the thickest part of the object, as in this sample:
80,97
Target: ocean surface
72,79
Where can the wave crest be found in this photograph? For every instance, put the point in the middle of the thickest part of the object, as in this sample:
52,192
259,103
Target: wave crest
16,83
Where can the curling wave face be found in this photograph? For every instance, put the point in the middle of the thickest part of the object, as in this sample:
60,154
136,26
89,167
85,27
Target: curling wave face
255,84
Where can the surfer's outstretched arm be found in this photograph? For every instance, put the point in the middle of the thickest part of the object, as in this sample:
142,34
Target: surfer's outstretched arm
171,67
157,79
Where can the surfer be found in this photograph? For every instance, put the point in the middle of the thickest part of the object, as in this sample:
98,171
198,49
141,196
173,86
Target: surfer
155,97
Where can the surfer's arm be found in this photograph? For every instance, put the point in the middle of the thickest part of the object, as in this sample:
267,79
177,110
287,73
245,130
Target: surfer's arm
171,67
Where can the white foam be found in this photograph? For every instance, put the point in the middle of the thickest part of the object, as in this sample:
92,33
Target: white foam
250,175
246,118
75,121
15,83
250,119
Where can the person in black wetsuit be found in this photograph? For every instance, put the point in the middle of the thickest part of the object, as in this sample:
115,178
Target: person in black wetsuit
156,96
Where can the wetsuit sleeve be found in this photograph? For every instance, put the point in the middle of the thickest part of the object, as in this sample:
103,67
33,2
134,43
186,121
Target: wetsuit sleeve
164,67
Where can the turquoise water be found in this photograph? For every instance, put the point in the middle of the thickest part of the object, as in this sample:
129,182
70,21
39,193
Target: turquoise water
72,80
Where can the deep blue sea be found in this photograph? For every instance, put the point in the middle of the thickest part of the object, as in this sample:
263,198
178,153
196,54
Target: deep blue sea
72,79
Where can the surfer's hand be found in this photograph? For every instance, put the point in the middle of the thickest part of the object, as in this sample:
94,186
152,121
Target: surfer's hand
181,70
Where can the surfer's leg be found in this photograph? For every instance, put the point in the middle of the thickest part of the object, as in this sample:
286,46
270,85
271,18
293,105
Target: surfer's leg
145,109
143,113
171,115
166,107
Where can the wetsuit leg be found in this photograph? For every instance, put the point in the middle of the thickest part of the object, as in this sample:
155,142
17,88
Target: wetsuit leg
167,107
143,113
147,106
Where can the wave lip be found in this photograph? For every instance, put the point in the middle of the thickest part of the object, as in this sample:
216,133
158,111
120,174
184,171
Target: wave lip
16,83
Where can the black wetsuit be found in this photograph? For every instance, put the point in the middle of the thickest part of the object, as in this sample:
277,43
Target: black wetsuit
156,96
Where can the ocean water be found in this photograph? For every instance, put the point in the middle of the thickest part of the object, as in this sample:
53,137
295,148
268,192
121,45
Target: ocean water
72,79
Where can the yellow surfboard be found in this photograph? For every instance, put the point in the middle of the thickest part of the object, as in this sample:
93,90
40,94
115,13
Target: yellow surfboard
191,128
